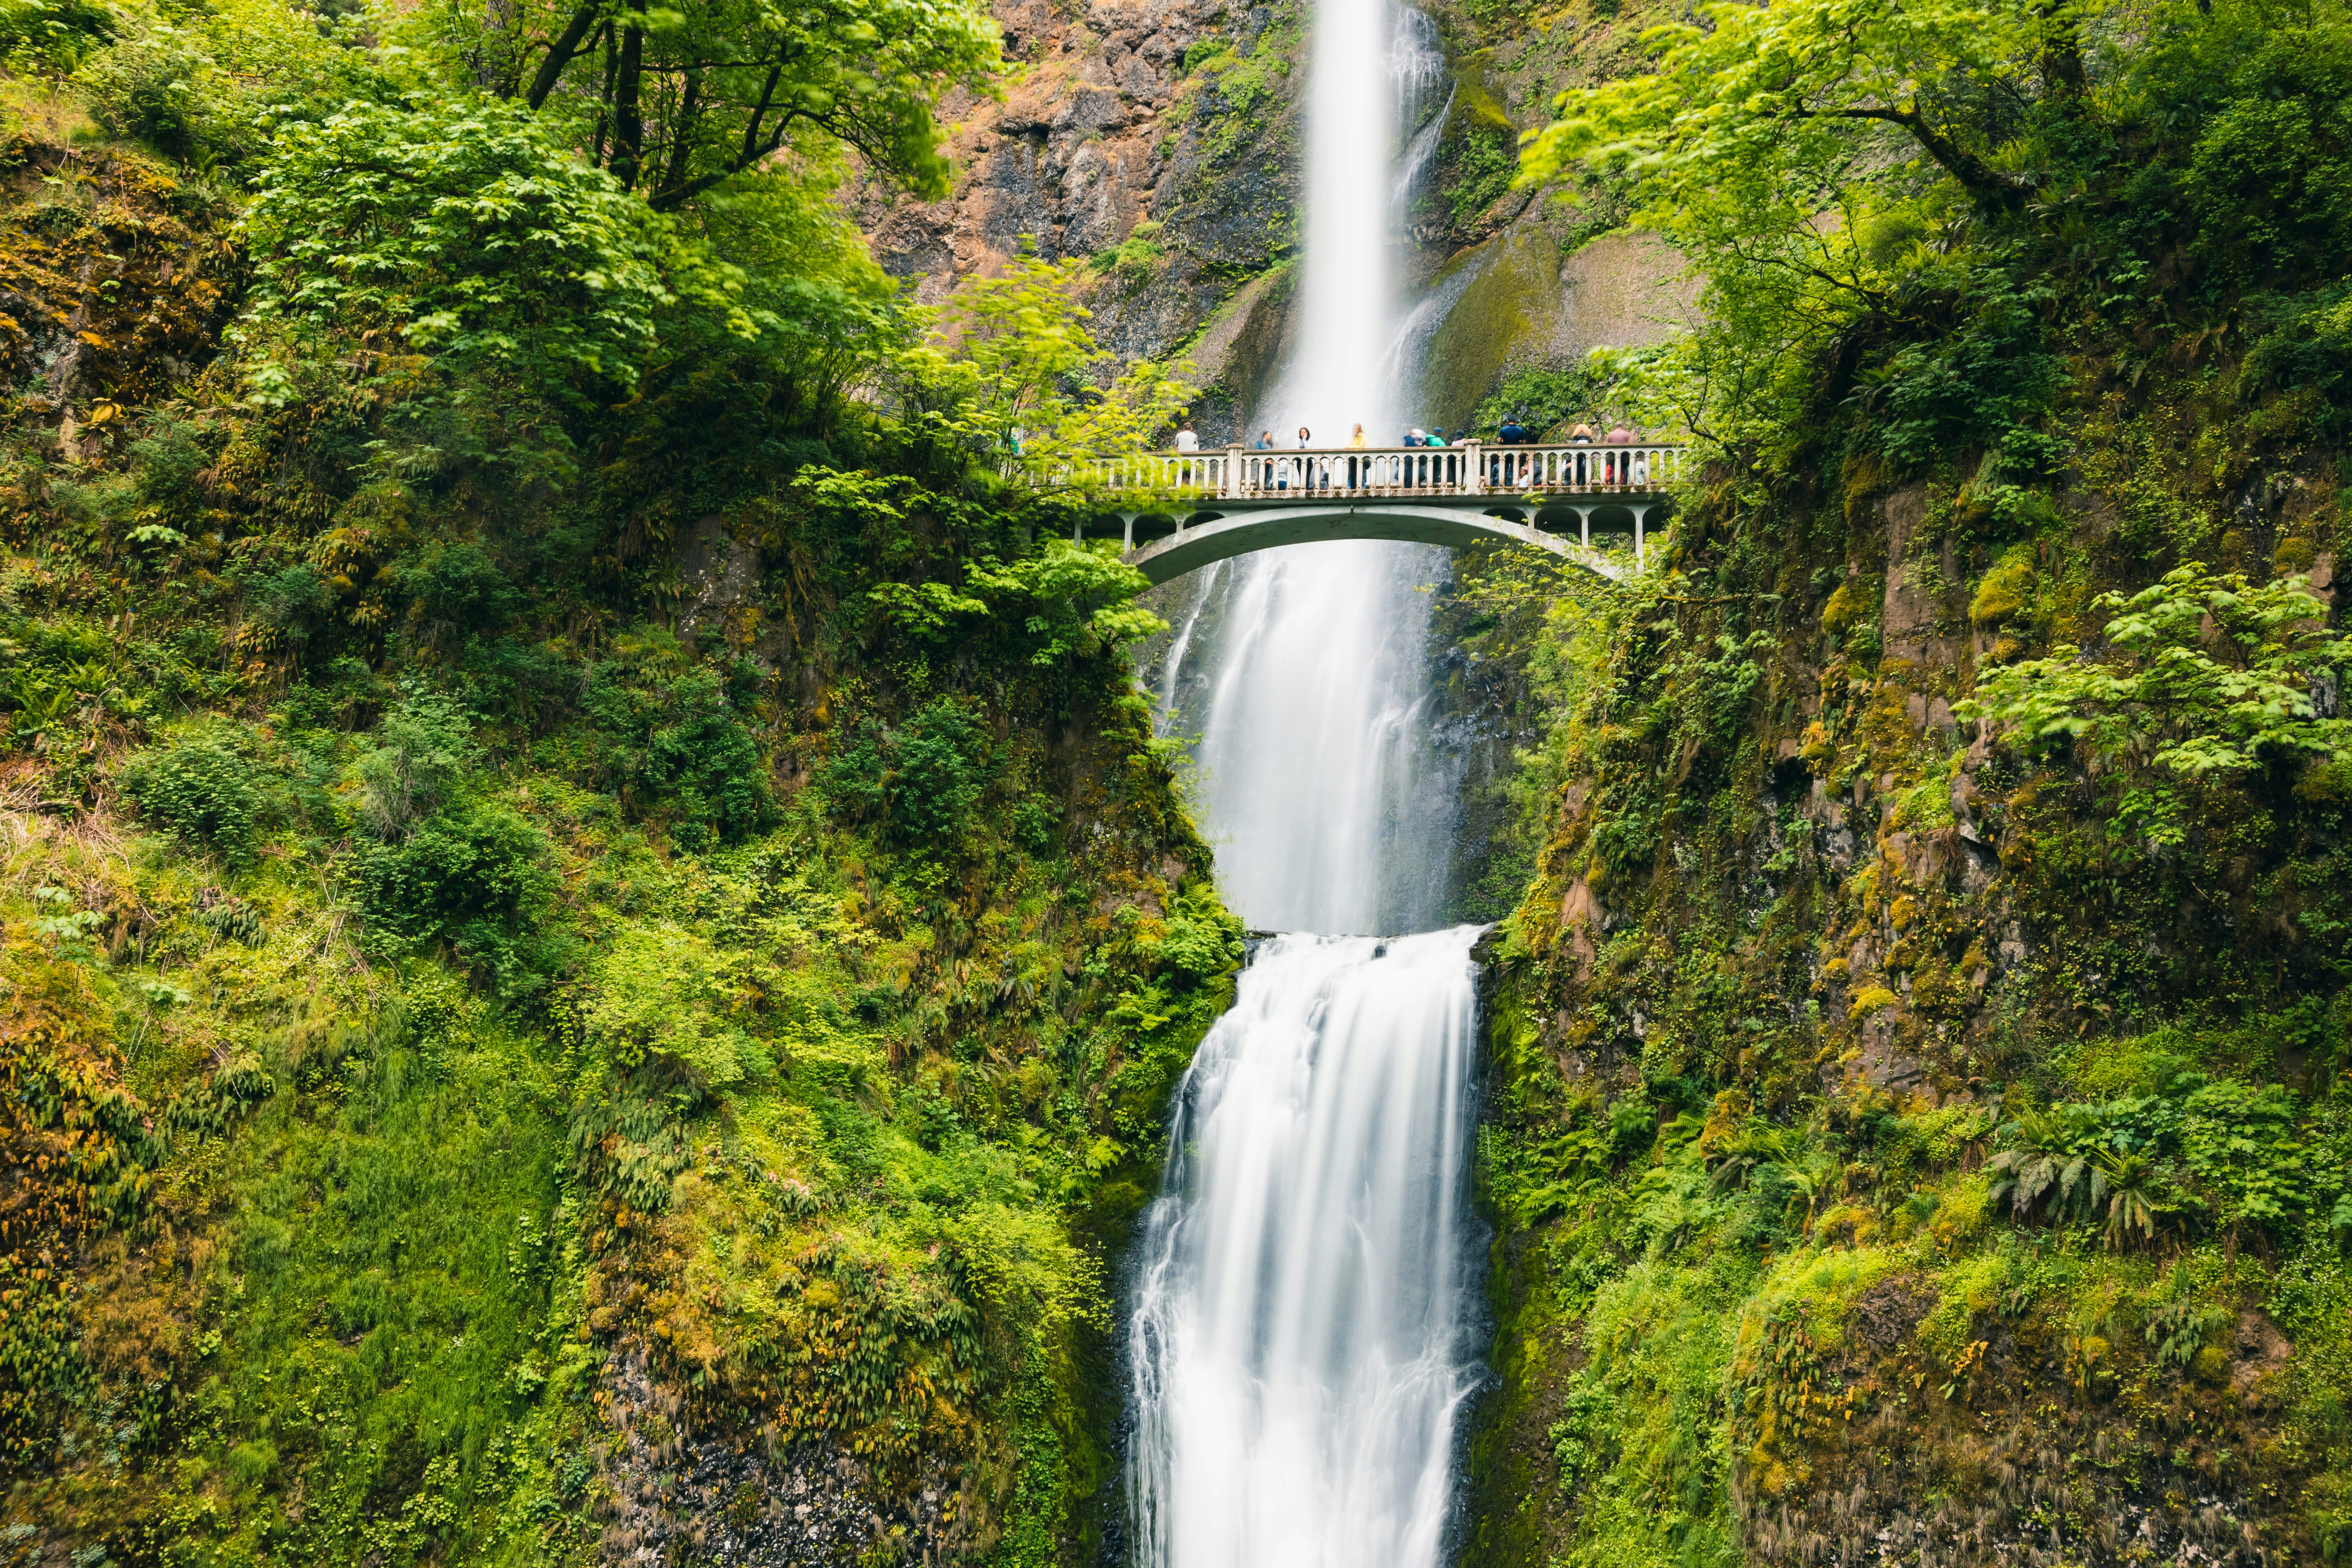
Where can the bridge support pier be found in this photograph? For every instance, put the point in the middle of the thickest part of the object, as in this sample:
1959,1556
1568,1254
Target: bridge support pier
1640,518
1585,526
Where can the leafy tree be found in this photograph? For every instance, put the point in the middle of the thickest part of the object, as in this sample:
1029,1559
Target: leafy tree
466,231
1073,600
674,102
2209,674
1009,369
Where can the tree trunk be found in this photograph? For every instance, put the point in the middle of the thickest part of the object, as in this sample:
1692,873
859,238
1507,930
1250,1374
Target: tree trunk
628,119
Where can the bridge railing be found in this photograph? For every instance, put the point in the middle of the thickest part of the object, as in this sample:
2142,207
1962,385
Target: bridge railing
1473,468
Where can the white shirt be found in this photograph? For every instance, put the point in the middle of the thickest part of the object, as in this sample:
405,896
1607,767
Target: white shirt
1186,441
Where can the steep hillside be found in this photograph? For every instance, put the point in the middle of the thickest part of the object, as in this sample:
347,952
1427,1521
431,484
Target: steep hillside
595,948
1917,1121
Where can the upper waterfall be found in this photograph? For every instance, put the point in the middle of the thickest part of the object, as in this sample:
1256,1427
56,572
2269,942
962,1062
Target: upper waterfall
1354,103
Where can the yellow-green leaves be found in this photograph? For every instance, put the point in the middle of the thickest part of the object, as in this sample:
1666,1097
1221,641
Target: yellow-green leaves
661,989
1077,598
1007,373
464,230
2208,673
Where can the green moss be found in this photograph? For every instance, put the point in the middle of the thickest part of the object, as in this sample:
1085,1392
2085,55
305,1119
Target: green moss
2006,590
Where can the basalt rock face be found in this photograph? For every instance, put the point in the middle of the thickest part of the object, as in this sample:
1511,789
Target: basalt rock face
1158,137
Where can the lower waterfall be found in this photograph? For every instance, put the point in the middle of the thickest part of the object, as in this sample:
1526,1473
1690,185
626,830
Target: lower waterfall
1298,1345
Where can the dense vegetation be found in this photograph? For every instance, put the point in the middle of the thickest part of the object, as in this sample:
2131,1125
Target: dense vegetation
1918,1128
595,945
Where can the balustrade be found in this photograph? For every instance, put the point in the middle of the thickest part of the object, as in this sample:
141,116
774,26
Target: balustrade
1339,474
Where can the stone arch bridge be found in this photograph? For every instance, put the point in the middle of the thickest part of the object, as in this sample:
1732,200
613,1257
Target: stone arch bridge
1218,505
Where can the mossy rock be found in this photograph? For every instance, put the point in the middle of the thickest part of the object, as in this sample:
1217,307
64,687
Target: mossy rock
1503,317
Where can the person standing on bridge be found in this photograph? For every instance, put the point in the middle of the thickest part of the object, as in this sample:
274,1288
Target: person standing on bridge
1265,441
1620,465
1355,441
1186,441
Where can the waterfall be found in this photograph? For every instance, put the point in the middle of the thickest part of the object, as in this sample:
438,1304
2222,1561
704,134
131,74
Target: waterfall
1299,1347
1331,805
1174,665
1297,1329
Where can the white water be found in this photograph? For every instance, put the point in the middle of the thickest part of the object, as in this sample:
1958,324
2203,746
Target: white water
1330,805
1299,1341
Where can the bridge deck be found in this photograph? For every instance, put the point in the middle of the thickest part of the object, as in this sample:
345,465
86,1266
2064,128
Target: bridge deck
1233,502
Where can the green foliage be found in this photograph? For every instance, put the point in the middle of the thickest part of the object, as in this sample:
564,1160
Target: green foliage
466,231
769,80
2215,675
204,87
2223,1153
663,991
39,33
1542,399
457,592
921,781
476,877
1000,378
673,743
294,602
204,792
1481,174
1580,1440
421,756
1074,601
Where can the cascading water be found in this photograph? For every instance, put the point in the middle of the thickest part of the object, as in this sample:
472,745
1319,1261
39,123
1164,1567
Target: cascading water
1299,1345
1298,1338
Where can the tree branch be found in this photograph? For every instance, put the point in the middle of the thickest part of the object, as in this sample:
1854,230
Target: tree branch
1980,178
663,201
628,119
560,53
682,138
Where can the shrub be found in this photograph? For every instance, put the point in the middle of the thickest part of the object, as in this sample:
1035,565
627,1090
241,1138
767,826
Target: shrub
665,991
456,591
204,794
678,749
295,602
477,879
921,781
423,751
